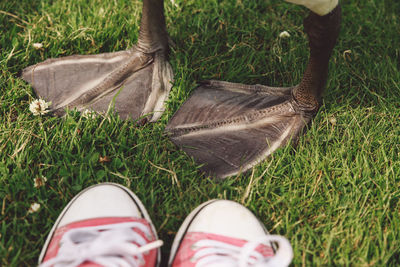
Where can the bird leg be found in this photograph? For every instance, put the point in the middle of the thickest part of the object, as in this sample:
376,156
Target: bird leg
229,128
322,32
135,82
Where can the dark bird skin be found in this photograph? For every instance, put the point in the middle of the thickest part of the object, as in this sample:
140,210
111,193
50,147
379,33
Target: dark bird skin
134,83
229,128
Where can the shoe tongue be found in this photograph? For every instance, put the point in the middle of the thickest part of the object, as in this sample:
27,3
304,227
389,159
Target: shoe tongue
80,237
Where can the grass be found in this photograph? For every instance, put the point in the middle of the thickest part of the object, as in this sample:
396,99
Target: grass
335,196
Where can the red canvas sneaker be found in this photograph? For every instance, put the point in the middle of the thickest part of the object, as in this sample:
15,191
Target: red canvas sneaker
225,233
104,225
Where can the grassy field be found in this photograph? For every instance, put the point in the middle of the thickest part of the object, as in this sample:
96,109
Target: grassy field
335,196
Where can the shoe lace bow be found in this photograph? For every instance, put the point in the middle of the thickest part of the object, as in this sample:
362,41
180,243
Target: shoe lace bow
107,245
213,253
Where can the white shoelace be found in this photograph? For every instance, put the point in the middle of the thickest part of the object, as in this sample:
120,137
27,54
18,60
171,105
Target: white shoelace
214,253
107,245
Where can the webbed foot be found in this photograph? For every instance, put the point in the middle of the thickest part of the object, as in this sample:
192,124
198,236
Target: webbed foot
134,83
229,128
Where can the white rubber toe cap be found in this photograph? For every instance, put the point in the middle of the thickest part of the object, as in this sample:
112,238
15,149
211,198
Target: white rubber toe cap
102,200
227,218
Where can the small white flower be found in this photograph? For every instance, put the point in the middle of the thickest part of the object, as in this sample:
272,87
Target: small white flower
37,45
88,114
284,34
332,120
34,207
39,107
39,181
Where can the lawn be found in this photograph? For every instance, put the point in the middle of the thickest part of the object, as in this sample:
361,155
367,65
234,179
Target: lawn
335,196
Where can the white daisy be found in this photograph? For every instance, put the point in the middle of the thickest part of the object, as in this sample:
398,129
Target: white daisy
37,45
332,120
39,107
284,34
34,207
